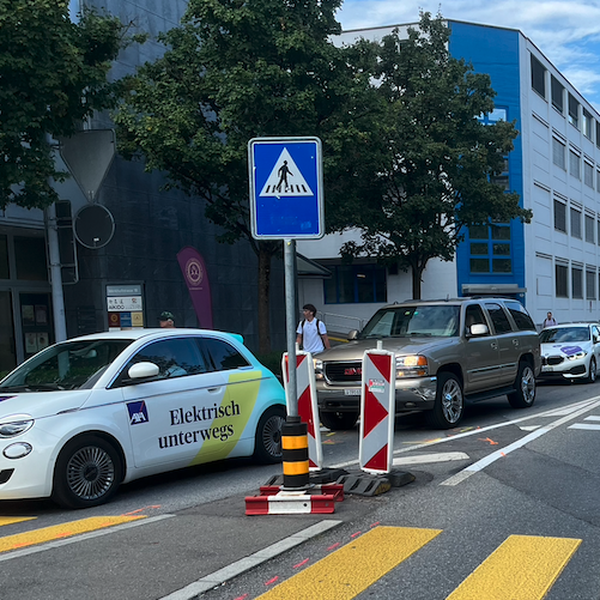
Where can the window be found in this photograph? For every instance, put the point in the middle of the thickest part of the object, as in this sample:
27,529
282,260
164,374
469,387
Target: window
490,248
598,232
574,164
355,284
520,316
575,215
560,216
220,355
590,284
175,358
4,272
558,92
573,111
560,272
589,228
499,318
588,174
598,180
474,316
577,282
538,76
598,134
30,254
588,125
558,154
502,178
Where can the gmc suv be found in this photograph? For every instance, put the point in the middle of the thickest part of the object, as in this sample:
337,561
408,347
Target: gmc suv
447,351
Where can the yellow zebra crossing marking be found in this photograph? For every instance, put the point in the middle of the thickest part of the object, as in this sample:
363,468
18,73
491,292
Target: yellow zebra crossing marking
55,532
13,520
522,568
354,567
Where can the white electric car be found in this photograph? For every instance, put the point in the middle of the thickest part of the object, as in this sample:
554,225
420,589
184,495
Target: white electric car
85,415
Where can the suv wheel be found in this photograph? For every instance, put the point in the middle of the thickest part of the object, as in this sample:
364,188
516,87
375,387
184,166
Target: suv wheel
338,421
449,402
524,394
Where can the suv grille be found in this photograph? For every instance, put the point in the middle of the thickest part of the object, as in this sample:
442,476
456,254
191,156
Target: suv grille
343,372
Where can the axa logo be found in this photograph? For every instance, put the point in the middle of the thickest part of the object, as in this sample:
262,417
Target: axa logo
353,371
138,412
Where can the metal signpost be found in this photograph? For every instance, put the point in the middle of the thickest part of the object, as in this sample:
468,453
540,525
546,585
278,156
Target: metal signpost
286,203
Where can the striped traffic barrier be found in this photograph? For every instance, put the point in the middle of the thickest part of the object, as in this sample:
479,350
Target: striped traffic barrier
307,403
294,446
289,503
378,401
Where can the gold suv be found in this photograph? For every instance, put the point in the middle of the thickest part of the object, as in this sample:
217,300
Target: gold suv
447,351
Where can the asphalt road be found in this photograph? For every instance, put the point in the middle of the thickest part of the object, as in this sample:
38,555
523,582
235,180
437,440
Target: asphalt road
532,474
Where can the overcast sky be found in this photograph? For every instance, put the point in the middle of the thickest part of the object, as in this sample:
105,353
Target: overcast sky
566,31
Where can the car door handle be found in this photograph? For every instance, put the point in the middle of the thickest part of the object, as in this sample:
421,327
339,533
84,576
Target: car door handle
494,345
515,342
214,389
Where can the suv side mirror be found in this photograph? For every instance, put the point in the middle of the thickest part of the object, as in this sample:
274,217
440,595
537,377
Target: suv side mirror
352,334
478,329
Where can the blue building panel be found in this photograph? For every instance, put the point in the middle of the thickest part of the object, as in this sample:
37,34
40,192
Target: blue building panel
496,52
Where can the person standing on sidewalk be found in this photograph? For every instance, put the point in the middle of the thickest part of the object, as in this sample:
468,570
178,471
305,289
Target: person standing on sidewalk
549,321
312,333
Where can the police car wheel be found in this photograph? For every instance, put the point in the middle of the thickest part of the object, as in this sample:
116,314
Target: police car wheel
268,436
87,473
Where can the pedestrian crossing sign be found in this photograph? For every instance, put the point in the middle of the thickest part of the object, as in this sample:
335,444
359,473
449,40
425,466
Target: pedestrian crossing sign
286,197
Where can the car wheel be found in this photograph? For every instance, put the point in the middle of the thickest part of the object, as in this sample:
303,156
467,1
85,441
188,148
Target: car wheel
591,376
267,447
338,421
88,472
524,394
449,404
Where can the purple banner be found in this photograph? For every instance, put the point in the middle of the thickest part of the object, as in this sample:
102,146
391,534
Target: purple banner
196,278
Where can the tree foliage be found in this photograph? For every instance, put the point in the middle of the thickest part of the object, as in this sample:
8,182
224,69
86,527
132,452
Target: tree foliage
238,69
52,76
436,160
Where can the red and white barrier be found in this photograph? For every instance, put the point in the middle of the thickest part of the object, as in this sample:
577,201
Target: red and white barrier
290,503
307,404
378,408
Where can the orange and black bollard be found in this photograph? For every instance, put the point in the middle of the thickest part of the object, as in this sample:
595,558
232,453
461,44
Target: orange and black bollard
294,444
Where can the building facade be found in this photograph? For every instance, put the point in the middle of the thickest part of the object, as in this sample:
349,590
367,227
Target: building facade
553,263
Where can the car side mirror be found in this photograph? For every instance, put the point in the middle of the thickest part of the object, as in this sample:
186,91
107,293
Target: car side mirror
353,334
478,329
143,370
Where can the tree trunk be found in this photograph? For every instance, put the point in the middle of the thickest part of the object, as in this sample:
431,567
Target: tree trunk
417,275
264,284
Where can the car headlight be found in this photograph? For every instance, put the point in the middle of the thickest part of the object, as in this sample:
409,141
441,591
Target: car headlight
581,354
318,368
15,426
412,366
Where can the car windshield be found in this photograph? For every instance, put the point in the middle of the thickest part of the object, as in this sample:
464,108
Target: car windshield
564,334
413,321
68,366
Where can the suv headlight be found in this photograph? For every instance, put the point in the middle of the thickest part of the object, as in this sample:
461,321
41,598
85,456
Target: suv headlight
412,366
318,368
15,426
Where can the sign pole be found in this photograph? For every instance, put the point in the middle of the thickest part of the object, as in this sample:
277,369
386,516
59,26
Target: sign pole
289,255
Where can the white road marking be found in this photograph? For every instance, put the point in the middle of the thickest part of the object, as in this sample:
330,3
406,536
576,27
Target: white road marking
592,418
430,458
529,427
550,413
588,426
193,590
502,452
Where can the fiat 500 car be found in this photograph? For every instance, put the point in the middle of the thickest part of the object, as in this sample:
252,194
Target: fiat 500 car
85,415
571,351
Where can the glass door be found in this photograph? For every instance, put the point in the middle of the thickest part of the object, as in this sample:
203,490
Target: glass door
8,357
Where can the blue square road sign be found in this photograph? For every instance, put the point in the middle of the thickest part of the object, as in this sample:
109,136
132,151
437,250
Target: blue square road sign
286,188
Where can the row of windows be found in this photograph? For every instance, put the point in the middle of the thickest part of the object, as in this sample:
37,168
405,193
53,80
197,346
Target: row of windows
578,116
591,228
576,290
559,154
355,284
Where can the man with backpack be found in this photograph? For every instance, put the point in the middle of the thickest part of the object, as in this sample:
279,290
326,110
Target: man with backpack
312,333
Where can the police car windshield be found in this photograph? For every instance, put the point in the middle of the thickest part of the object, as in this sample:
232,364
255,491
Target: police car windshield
68,366
413,321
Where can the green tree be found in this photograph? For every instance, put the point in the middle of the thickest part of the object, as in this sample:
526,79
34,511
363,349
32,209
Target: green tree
234,70
438,160
52,76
